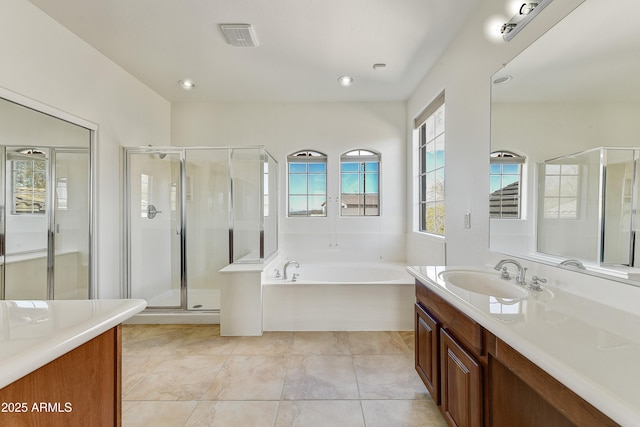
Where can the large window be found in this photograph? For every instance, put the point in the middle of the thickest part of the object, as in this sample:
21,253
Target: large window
430,132
29,175
360,183
307,184
505,178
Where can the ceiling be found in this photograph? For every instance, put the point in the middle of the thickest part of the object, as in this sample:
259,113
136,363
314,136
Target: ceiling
574,63
304,45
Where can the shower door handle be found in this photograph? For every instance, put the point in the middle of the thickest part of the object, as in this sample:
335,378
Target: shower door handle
152,211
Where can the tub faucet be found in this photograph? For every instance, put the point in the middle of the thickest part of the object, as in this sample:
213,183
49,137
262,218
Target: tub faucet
284,272
522,271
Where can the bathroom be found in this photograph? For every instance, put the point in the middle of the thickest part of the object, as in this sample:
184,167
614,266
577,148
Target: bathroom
127,113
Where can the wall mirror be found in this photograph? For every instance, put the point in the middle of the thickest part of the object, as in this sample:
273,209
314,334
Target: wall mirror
565,134
45,204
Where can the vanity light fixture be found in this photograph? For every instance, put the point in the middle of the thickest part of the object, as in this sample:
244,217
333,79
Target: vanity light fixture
525,14
507,28
527,8
345,81
187,84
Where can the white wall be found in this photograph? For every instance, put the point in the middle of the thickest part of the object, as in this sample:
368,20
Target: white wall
43,61
331,128
46,62
464,72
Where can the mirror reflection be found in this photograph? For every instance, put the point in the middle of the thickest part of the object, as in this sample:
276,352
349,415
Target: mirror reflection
45,206
564,140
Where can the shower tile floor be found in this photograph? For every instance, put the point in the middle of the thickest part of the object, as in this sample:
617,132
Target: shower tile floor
188,375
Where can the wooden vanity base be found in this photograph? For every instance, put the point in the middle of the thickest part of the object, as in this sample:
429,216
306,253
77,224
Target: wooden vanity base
80,388
478,380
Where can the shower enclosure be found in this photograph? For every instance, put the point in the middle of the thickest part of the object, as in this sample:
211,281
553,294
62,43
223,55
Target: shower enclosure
190,212
45,205
587,206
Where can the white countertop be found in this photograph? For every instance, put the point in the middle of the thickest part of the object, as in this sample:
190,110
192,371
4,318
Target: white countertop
592,348
34,333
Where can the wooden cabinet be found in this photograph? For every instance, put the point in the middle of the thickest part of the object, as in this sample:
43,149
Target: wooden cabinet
449,358
479,380
80,388
461,402
427,351
523,394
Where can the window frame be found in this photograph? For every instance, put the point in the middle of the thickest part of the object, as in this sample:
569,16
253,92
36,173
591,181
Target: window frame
307,157
32,156
502,158
431,199
561,195
362,157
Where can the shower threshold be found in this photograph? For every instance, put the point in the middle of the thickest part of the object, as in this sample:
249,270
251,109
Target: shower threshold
171,316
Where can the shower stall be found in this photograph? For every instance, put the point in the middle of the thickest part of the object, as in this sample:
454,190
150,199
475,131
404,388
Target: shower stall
190,211
588,204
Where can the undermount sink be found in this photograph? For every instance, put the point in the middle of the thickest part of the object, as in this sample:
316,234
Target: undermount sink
483,282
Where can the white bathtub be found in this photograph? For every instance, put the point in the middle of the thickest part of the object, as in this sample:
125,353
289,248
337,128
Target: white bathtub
340,297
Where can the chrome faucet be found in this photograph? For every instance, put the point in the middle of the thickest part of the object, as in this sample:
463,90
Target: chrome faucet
284,272
573,263
535,283
522,271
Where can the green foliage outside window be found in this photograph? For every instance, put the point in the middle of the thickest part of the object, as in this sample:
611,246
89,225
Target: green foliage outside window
29,186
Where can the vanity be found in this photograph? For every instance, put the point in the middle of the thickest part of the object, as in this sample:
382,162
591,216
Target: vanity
521,357
60,361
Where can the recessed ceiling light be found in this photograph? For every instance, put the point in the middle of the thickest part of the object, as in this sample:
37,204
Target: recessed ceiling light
345,81
503,79
187,84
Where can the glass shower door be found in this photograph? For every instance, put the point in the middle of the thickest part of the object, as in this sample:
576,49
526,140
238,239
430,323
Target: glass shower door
71,203
207,209
26,263
155,228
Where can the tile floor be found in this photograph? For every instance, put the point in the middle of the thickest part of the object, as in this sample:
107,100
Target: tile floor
187,375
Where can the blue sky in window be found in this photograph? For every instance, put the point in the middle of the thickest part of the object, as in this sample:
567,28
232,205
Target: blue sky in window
497,183
317,184
297,167
317,167
298,184
434,159
353,182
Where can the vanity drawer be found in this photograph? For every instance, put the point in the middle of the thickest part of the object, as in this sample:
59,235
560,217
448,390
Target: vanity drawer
458,324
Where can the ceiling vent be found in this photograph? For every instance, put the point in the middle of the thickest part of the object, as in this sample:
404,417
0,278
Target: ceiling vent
239,35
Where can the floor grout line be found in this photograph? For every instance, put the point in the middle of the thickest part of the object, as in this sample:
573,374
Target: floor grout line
371,344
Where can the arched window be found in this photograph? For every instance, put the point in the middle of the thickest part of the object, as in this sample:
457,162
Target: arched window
505,195
360,183
307,179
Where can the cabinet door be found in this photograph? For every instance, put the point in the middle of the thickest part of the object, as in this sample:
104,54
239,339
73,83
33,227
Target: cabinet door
461,384
427,355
